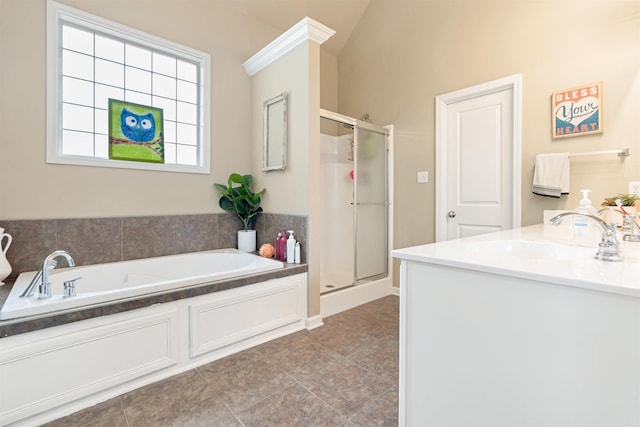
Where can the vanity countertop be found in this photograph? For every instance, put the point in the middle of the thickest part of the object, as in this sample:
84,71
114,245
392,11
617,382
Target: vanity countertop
538,252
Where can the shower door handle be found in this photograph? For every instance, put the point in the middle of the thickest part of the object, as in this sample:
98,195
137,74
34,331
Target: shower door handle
451,214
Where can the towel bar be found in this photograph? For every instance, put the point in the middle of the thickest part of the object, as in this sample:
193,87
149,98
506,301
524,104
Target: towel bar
621,152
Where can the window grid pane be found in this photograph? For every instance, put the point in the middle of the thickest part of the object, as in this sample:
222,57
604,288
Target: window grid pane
101,146
109,48
138,57
138,80
110,73
187,71
98,67
163,64
78,143
137,97
168,107
77,39
77,91
77,117
76,64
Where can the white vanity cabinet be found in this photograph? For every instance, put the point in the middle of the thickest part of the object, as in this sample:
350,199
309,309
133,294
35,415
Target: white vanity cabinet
505,343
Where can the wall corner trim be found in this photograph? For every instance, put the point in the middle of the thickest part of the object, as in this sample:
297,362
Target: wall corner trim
306,29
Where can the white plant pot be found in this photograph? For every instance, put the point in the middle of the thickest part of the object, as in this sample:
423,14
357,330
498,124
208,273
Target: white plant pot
247,240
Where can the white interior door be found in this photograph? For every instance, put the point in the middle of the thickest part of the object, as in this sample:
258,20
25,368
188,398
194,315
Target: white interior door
478,159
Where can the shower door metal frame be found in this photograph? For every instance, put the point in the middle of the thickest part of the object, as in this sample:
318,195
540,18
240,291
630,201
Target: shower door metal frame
356,124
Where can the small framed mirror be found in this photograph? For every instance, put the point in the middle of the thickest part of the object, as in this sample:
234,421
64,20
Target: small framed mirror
274,149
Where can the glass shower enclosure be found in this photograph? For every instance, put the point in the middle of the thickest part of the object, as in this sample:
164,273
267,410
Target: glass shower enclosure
355,202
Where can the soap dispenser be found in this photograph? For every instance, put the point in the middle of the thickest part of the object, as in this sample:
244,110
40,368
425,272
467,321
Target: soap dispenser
291,245
585,232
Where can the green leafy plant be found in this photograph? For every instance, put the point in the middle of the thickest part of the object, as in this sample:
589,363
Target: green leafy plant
237,197
625,199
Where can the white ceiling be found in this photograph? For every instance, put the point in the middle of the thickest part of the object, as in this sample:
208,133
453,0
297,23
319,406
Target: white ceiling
339,15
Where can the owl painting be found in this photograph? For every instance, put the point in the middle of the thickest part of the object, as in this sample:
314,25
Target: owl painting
136,132
137,128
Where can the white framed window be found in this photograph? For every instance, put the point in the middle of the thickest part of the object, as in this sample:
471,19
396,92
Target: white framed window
91,60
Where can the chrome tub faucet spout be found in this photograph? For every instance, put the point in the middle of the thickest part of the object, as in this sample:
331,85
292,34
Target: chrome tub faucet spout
608,246
41,278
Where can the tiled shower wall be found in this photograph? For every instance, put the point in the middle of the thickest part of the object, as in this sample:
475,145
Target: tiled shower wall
101,240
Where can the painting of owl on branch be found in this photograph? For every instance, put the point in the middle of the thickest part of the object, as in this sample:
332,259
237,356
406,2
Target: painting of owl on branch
135,132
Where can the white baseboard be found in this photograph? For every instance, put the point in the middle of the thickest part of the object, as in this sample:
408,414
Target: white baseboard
336,302
314,322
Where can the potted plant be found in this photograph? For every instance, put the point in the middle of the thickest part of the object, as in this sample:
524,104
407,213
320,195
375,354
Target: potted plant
238,198
629,204
625,199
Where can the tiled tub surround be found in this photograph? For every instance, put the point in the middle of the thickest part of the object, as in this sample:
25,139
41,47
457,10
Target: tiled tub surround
101,240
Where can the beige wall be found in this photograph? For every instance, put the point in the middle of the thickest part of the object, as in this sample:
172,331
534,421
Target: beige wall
328,81
291,191
31,188
314,185
403,53
287,189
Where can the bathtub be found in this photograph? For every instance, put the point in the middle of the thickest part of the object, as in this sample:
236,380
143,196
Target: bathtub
102,283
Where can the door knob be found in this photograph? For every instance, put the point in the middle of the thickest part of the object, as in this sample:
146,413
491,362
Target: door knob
451,214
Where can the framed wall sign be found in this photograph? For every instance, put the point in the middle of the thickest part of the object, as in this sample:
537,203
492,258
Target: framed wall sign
577,111
135,132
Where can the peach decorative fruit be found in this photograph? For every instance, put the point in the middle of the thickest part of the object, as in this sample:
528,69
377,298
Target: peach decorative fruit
267,250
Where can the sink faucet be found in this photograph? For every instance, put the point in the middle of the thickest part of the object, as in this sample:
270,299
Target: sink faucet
628,224
42,276
608,246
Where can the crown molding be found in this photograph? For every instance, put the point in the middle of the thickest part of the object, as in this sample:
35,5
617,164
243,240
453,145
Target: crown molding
306,29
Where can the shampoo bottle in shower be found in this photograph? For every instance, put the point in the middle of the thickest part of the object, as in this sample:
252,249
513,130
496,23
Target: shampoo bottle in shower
291,248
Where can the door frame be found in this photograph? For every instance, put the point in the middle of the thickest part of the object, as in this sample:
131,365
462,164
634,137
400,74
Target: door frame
514,83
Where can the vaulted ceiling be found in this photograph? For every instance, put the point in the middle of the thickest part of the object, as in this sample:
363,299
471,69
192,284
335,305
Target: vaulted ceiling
339,15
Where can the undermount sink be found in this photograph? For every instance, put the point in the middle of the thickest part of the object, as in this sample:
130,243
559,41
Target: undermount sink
531,250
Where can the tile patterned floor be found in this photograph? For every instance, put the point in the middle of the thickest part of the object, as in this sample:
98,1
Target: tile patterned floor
342,374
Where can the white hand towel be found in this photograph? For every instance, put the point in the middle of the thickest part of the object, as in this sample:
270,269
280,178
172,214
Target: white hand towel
551,175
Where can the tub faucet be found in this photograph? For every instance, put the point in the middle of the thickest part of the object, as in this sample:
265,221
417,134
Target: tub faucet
42,276
608,246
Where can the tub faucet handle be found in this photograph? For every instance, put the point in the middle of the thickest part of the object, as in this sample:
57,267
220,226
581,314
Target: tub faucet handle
70,287
49,264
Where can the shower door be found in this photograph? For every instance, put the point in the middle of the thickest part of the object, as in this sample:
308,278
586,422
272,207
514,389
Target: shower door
371,202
